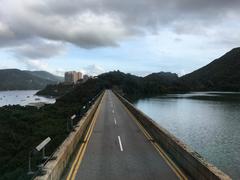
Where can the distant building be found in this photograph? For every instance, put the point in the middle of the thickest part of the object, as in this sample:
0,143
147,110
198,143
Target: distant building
72,77
79,75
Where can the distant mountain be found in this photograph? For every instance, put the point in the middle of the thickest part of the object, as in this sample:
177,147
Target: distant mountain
135,86
15,79
126,84
166,78
46,75
223,74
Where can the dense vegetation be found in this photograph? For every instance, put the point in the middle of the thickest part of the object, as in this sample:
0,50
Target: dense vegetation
134,87
56,90
14,79
22,128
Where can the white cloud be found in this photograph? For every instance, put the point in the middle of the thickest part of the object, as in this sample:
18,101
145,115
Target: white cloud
93,70
59,72
36,65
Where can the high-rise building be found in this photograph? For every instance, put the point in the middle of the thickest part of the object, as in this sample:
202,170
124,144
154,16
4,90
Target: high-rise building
79,75
72,76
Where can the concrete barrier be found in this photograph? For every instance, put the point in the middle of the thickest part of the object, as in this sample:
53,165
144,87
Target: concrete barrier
55,168
192,164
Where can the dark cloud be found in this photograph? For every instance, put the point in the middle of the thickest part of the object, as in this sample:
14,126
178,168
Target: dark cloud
101,23
38,50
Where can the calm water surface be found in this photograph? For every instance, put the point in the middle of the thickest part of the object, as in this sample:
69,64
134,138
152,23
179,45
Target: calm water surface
209,122
22,98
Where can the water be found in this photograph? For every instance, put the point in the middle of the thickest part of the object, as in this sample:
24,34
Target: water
209,122
23,98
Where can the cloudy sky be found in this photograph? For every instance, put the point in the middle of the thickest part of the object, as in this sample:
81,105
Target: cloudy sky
136,36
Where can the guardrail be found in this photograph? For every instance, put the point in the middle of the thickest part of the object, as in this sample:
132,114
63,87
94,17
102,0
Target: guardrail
55,168
193,165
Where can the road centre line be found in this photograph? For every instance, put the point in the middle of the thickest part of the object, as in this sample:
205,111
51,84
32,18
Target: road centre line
167,159
120,143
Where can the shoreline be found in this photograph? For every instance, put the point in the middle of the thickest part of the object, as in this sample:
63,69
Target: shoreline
24,98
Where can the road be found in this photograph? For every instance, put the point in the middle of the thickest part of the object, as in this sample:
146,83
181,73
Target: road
116,148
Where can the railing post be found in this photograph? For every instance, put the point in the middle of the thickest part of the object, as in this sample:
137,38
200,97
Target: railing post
30,172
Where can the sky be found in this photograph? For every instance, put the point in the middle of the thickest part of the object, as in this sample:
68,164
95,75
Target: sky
133,36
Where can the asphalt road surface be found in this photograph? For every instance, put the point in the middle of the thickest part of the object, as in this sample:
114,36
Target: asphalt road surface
118,149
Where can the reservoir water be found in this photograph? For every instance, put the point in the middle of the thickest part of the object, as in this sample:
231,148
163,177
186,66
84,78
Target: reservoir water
209,122
23,98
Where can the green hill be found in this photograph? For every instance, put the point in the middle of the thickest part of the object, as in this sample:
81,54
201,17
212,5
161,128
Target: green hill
14,79
223,74
128,84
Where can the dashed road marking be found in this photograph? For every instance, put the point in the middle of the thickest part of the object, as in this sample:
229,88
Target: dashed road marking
120,143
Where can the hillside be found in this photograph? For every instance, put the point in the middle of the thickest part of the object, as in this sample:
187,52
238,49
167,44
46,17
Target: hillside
56,90
129,85
223,74
163,77
14,79
162,82
133,86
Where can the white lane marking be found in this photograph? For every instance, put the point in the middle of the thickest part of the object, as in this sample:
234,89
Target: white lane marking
112,111
120,143
115,121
